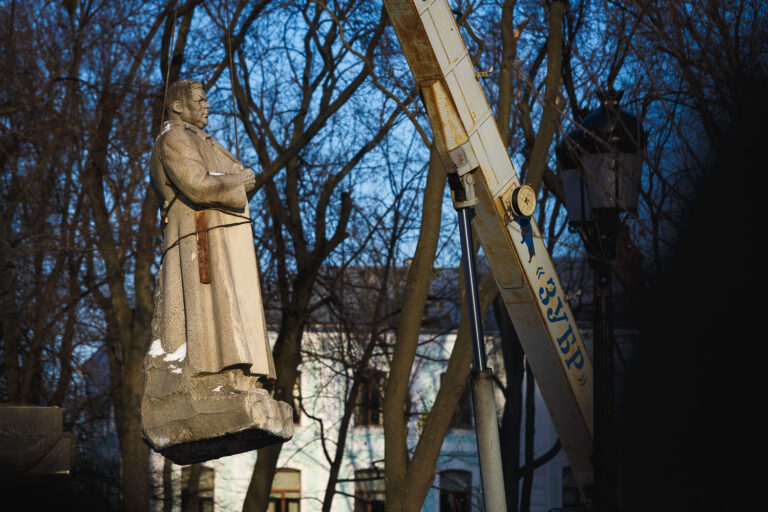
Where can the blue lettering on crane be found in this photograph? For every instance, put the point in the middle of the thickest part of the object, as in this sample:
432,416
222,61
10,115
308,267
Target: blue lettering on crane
552,314
556,312
577,361
546,293
566,340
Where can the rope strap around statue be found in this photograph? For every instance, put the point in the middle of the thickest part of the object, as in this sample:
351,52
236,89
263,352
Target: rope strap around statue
201,231
247,220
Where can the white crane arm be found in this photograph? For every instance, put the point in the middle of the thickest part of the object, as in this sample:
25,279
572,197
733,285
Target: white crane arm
468,140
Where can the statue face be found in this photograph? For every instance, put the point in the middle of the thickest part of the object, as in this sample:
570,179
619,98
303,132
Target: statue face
195,108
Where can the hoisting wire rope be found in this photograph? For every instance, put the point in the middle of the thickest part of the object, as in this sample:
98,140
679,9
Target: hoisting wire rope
228,28
247,220
170,58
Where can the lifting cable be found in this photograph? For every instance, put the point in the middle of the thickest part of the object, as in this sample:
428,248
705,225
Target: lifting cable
228,28
170,58
247,220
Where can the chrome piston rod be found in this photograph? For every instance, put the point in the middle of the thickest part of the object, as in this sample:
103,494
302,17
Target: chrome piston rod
481,378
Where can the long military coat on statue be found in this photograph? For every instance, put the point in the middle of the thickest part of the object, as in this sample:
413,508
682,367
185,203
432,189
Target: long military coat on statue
221,322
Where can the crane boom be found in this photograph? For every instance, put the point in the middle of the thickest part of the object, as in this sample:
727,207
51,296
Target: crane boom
474,155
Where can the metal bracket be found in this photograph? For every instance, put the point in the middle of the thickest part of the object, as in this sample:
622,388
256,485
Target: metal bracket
462,191
484,74
519,204
461,181
463,159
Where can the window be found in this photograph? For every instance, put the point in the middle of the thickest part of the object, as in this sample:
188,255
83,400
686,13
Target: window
286,491
369,490
462,416
455,491
370,398
197,483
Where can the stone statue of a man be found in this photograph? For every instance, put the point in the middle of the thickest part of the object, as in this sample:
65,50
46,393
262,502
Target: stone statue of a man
209,361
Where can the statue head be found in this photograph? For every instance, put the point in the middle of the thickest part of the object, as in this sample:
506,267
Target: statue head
186,101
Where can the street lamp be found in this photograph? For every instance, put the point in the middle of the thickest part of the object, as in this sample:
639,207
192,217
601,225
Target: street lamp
601,162
601,166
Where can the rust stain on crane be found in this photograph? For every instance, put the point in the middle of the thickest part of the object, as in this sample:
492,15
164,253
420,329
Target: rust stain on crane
414,41
447,128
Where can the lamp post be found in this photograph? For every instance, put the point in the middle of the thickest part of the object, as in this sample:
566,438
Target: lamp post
601,165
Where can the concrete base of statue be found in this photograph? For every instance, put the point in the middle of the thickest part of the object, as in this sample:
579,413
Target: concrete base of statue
192,419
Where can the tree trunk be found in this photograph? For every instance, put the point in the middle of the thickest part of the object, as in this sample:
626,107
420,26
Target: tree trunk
409,479
135,459
540,152
415,297
189,493
134,452
514,365
287,358
167,485
530,434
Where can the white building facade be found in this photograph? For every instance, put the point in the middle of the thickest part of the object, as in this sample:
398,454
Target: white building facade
303,467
